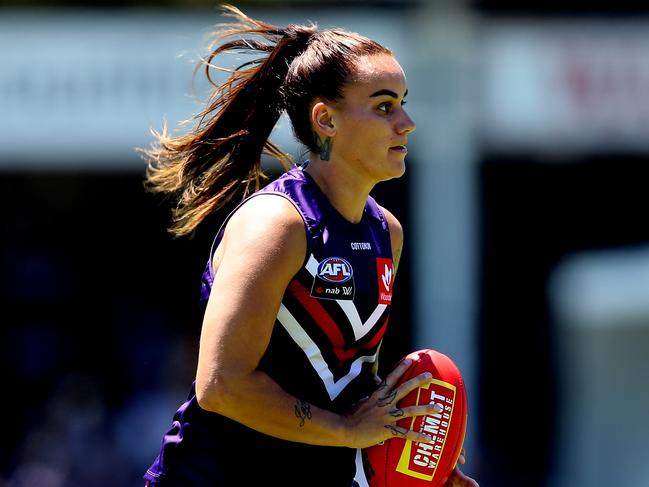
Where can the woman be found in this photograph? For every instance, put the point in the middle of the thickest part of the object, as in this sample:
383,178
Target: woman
299,280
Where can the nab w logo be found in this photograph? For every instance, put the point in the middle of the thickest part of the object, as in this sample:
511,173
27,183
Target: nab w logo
335,269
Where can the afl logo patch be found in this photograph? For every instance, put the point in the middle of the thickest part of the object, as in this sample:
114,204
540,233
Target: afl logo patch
335,269
334,279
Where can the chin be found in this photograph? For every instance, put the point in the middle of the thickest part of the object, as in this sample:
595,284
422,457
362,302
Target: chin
393,174
391,168
398,169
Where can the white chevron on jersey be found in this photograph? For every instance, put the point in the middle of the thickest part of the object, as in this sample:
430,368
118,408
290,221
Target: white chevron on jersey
313,353
360,329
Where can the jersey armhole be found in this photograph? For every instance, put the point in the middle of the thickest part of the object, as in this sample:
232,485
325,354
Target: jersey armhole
380,215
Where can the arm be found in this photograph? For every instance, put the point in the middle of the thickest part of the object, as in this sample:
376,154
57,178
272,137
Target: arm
263,247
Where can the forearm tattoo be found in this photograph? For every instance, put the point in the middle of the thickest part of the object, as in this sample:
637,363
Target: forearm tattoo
302,411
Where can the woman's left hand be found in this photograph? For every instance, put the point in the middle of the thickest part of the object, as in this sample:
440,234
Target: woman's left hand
457,478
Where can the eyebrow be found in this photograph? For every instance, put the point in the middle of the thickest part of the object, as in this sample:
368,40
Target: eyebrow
388,93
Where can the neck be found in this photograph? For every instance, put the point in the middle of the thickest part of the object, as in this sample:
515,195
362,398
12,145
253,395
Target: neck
346,190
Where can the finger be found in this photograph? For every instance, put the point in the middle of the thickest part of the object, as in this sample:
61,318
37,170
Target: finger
399,432
387,394
396,373
390,396
412,411
462,458
412,384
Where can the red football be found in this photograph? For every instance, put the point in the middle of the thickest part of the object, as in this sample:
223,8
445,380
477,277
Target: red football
403,463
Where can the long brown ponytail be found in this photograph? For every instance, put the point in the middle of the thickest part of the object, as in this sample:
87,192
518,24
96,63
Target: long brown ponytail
219,161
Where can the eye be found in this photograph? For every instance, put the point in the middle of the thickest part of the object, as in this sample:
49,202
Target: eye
385,107
403,102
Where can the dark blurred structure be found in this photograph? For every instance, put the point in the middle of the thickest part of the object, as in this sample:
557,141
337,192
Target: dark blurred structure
533,215
91,330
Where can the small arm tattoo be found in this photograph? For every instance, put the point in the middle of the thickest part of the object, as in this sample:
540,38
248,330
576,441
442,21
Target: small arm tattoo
302,411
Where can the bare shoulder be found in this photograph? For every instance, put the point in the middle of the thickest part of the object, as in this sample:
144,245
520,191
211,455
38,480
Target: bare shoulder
396,235
396,230
268,210
266,230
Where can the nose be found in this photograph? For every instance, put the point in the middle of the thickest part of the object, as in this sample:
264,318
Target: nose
406,125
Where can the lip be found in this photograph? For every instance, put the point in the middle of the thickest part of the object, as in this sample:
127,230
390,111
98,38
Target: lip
399,148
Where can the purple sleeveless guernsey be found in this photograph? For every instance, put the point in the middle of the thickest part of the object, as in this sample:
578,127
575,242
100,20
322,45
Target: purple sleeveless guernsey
322,350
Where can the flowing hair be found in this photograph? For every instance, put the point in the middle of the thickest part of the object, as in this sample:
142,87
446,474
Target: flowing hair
219,161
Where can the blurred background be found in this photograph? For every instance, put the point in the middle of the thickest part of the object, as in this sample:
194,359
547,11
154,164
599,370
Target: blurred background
524,205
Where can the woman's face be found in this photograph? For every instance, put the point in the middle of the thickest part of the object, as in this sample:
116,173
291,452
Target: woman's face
371,125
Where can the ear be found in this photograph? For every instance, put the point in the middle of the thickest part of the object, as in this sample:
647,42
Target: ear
322,119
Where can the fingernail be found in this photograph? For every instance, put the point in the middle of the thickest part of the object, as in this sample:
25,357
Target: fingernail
438,406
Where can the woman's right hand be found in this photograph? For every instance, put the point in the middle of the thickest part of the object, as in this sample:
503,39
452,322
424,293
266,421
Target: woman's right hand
374,419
